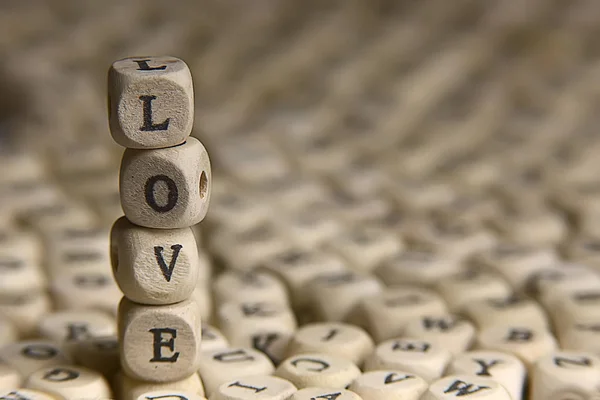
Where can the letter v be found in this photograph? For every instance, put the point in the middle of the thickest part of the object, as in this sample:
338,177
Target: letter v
167,271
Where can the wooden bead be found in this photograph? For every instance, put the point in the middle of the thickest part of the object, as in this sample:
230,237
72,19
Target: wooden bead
249,249
326,393
255,387
318,370
504,368
297,267
446,331
159,343
529,344
150,102
25,311
364,248
565,375
169,395
100,354
266,326
411,355
387,314
516,262
223,365
28,394
212,339
477,387
388,385
577,306
75,290
471,286
166,188
308,227
76,325
508,311
8,332
154,266
335,295
129,388
248,287
22,243
29,356
335,338
19,275
82,248
70,382
423,266
9,377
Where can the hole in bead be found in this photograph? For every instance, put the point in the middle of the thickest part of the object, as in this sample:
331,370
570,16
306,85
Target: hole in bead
203,185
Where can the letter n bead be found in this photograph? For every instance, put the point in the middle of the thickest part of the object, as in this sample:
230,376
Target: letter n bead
150,102
166,188
159,343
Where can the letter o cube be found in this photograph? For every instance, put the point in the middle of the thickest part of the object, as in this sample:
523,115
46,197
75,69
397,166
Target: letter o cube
166,188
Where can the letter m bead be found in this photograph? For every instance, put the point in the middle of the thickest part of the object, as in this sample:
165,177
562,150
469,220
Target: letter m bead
150,102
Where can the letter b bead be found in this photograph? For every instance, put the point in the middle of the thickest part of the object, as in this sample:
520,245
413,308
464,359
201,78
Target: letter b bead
150,102
159,343
166,188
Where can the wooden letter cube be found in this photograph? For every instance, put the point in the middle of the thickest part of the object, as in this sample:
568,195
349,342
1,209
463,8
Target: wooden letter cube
476,387
565,375
314,369
154,266
334,338
159,343
388,385
504,368
257,387
325,393
69,382
166,188
150,102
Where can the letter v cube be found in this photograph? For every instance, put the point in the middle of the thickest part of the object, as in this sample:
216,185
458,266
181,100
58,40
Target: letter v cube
154,266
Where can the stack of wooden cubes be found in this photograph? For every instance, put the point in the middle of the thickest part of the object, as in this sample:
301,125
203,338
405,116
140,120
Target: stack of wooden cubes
165,185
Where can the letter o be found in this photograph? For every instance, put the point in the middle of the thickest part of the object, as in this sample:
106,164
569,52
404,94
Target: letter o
172,196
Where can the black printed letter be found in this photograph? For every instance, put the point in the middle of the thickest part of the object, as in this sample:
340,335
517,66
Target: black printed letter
158,343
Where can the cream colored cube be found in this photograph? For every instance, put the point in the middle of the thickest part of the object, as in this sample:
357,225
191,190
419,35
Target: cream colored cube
527,343
223,365
212,339
326,393
335,295
315,369
503,367
510,310
259,387
150,102
333,338
444,330
154,266
387,314
84,290
470,286
159,343
24,312
28,356
69,382
472,387
100,354
169,395
388,385
10,378
18,394
166,188
76,325
248,287
564,375
415,356
129,388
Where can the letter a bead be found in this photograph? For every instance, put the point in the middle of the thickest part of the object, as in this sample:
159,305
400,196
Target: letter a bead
159,343
150,102
154,266
166,188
